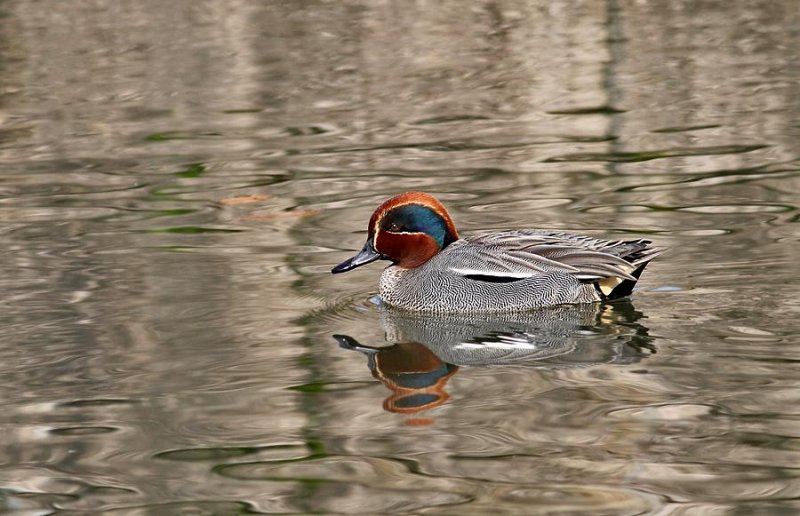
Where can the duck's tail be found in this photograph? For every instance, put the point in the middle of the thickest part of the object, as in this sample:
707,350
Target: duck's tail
638,254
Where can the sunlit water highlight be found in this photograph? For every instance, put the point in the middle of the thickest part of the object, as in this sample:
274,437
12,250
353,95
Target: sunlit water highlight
177,179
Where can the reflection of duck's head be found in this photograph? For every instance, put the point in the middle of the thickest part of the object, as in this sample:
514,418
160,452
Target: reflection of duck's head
414,374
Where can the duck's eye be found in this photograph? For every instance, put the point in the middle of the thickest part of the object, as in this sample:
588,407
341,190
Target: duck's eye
393,226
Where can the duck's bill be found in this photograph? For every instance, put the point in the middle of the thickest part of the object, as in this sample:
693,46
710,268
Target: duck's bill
368,254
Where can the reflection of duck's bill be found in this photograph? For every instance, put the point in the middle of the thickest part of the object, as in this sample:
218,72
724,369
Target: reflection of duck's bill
348,342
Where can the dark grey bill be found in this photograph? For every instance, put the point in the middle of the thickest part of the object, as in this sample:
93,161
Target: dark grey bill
366,255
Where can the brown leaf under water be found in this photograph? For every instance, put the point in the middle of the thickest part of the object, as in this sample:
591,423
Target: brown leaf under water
418,421
280,215
244,199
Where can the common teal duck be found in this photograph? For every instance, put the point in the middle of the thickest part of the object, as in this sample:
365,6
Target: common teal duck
434,270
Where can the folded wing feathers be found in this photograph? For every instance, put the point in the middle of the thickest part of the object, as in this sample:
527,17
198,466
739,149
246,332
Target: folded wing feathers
539,262
521,254
601,271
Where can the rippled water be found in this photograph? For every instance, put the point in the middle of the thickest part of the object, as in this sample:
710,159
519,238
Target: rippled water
177,178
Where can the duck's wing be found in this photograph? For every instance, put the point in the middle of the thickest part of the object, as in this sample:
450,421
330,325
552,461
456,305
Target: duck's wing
513,255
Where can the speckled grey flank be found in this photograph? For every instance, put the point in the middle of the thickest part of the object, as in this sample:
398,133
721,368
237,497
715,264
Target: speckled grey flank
559,268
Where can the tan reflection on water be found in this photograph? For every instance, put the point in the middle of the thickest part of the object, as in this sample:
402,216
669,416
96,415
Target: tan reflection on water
166,350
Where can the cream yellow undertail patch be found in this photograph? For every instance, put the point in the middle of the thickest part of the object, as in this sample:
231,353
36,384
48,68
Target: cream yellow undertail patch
607,285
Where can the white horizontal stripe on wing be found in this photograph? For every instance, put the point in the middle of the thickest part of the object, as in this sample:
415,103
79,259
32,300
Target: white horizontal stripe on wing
495,274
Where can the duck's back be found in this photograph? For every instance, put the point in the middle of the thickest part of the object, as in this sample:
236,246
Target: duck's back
518,270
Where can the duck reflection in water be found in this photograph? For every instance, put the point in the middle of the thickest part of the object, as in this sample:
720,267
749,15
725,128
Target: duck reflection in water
411,371
428,350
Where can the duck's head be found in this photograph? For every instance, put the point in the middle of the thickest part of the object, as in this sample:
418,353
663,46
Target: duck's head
408,229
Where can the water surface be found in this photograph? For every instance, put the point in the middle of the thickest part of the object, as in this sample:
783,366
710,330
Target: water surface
177,179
